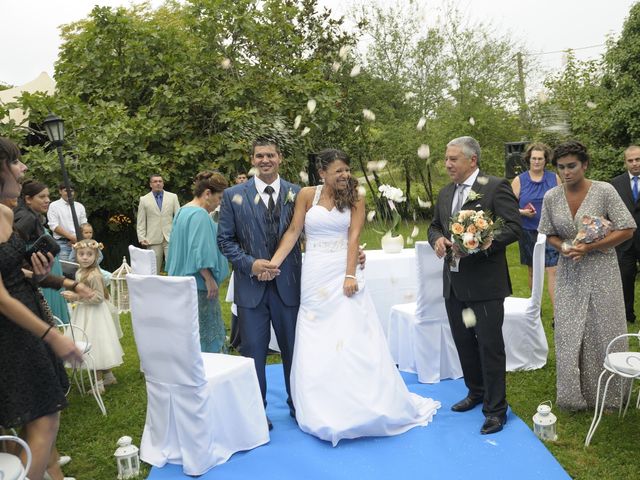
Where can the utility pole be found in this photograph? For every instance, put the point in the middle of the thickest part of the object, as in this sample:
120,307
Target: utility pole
521,87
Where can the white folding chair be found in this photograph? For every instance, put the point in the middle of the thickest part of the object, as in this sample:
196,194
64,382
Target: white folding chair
80,338
143,262
625,364
420,338
11,467
525,343
201,407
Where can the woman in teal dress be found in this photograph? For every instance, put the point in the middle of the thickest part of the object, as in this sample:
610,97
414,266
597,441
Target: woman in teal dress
29,222
193,251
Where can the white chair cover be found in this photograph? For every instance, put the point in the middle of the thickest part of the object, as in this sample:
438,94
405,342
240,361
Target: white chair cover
419,334
201,407
524,339
143,262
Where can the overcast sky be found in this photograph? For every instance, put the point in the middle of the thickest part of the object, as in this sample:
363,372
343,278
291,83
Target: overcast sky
30,41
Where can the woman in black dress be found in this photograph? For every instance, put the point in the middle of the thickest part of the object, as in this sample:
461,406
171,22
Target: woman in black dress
33,381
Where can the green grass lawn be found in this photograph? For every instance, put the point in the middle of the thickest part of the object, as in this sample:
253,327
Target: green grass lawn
91,438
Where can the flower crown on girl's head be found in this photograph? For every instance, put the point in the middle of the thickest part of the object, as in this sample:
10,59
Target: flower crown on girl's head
88,244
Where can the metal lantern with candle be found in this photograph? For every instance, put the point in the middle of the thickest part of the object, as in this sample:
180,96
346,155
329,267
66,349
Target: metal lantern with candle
127,458
544,422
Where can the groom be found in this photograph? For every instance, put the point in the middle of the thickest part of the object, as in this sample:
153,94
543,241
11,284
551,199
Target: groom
253,217
479,282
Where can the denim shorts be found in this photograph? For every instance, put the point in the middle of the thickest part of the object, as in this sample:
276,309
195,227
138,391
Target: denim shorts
527,242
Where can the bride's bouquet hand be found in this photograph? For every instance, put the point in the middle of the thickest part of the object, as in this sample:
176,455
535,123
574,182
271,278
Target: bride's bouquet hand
350,286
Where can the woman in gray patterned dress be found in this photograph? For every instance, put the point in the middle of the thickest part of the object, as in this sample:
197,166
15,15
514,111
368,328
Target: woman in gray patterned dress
589,309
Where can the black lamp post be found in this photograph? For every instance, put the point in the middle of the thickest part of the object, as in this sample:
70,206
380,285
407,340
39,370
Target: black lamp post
54,126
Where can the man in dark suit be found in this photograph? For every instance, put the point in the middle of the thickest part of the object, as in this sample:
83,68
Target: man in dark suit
628,186
479,282
253,217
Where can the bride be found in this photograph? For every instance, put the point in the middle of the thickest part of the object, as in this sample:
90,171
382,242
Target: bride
344,382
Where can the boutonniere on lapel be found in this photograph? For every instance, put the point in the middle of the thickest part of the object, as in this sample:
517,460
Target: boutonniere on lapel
291,197
473,196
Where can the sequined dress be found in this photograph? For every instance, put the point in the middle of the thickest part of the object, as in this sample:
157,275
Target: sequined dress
32,380
589,307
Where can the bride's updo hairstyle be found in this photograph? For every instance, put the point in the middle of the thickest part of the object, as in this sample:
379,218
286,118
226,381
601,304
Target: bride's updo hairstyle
348,197
208,180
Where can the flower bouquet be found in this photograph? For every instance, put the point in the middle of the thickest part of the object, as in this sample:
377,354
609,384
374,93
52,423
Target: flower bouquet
592,229
471,231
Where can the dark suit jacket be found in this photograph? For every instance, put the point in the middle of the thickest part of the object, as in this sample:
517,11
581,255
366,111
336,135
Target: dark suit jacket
622,184
484,275
242,238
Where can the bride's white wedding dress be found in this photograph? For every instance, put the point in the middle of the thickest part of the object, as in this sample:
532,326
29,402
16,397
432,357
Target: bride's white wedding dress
343,380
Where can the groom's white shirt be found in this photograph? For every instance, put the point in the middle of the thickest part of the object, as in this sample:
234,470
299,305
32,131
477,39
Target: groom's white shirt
260,186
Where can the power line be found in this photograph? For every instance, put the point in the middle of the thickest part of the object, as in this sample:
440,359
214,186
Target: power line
565,50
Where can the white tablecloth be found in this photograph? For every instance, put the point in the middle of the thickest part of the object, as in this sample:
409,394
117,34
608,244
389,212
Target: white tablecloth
390,279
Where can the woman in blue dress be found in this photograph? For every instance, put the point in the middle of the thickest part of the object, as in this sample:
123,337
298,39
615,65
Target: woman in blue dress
529,188
193,251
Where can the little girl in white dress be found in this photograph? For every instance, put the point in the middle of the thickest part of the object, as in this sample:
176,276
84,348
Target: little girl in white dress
95,316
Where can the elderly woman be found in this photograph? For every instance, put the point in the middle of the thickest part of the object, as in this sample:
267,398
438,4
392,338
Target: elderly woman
33,385
193,251
589,310
529,188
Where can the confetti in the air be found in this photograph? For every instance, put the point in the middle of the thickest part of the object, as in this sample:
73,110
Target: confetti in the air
355,71
482,180
237,199
415,231
311,105
421,123
376,166
335,66
357,129
344,52
304,176
304,131
252,171
362,192
472,121
225,63
424,151
371,215
368,115
296,122
424,203
256,199
468,318
592,105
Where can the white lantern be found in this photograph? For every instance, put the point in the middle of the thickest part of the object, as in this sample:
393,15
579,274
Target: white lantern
119,289
544,423
127,459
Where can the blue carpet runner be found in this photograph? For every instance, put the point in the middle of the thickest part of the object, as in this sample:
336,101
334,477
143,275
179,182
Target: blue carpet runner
451,447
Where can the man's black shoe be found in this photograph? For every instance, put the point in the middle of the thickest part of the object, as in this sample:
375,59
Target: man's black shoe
466,404
493,424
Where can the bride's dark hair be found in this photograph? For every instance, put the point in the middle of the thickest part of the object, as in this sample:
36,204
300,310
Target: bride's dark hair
348,197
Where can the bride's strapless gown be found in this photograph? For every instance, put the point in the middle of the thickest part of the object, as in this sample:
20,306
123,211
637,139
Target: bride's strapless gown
343,380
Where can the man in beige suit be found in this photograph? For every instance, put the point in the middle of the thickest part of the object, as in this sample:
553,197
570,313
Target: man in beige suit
155,218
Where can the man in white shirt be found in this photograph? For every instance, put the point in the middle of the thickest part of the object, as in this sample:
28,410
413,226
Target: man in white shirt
61,221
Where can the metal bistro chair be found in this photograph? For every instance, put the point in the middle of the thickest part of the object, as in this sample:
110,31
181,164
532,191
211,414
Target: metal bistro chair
11,467
80,338
625,364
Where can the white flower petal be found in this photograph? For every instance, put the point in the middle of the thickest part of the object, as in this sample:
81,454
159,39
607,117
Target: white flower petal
252,171
357,129
381,164
355,71
344,52
225,63
423,203
415,231
409,95
296,122
304,131
304,176
256,199
237,199
362,192
482,180
421,123
542,97
424,151
472,121
368,115
311,105
592,105
371,215
469,318
335,66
